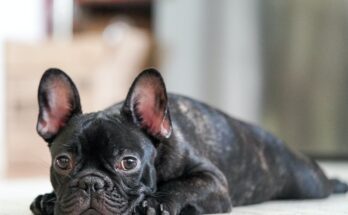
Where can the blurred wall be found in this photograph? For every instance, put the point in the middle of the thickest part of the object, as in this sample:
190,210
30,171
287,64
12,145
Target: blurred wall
305,53
210,51
280,64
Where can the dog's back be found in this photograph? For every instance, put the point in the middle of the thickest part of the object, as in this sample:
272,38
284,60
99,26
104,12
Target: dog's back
257,165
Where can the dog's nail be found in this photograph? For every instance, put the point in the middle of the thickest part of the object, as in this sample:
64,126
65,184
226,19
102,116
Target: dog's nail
150,211
41,204
165,213
144,204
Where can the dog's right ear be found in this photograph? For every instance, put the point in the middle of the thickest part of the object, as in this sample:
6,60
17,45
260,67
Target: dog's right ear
59,100
147,104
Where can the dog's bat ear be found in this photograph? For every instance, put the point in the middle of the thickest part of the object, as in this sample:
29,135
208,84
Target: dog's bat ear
58,101
147,104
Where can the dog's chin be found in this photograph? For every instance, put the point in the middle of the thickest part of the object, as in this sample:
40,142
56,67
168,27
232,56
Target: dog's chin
98,210
97,204
91,211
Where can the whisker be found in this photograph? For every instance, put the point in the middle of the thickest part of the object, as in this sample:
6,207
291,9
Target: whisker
160,194
70,204
69,198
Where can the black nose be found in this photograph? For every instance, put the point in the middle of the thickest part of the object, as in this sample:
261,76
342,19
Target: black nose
91,184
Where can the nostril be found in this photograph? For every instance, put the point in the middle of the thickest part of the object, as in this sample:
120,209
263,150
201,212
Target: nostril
98,185
83,185
91,184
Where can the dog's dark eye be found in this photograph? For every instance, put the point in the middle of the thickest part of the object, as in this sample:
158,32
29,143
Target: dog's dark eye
63,162
128,163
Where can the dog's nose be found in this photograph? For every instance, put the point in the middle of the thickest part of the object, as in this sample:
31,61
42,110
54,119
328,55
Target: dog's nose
91,184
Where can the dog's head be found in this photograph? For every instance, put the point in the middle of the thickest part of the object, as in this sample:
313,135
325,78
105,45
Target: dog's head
103,162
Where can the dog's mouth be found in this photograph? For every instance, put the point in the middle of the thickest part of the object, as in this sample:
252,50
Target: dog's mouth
91,211
102,204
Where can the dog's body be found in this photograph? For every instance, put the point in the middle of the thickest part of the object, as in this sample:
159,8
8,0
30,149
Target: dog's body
189,158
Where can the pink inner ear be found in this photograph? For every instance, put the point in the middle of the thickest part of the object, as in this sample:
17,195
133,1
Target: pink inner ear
59,108
148,97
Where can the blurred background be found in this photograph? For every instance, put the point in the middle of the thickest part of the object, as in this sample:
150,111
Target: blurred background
279,64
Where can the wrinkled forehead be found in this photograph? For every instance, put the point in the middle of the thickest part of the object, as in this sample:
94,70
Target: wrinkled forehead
94,135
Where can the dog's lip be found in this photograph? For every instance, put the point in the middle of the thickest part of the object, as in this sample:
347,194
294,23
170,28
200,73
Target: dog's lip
90,211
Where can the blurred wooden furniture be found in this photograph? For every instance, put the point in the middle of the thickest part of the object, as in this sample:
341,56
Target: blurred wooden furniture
102,70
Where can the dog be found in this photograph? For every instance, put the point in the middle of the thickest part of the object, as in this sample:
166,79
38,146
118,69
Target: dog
159,153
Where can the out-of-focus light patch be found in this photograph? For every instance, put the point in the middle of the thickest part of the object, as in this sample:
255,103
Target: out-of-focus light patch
115,32
22,21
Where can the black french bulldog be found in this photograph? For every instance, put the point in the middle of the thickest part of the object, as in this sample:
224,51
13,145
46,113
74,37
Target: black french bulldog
162,154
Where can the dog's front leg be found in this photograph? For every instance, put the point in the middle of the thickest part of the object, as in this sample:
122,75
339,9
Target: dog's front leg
43,204
198,192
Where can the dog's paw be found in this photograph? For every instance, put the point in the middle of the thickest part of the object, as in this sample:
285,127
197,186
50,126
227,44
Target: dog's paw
43,204
151,206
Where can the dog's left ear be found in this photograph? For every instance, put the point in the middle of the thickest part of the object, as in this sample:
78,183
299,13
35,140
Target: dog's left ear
59,101
147,104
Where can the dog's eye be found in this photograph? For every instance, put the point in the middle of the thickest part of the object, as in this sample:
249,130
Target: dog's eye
63,162
128,163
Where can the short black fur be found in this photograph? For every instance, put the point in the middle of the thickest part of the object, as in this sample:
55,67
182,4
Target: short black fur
191,158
